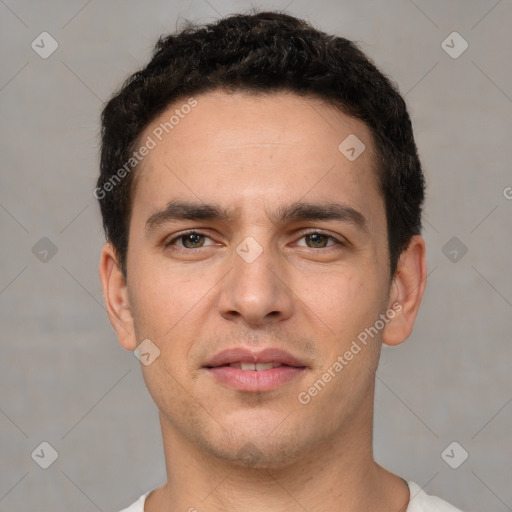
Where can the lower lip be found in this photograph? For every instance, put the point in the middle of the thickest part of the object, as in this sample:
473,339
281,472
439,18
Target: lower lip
255,380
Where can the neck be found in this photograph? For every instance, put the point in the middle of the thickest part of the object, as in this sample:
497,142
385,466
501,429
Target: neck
336,474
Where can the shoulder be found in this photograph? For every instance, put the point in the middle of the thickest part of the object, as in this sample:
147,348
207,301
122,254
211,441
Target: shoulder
422,502
138,506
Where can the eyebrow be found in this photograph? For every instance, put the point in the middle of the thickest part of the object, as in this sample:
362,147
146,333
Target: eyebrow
298,211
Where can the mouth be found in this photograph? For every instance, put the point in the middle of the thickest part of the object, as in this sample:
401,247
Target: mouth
254,366
248,371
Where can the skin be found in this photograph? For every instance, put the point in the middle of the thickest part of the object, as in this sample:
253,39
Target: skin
228,450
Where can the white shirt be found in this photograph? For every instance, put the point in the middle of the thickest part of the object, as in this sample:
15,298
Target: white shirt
420,502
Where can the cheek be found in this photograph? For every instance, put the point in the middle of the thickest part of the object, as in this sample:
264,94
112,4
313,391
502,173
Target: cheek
171,310
160,297
344,300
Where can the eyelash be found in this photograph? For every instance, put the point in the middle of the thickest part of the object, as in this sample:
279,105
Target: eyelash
195,232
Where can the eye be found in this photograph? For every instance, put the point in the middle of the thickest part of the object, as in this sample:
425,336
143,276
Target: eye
189,240
319,240
196,240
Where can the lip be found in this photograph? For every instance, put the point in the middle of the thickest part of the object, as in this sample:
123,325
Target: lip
240,354
255,380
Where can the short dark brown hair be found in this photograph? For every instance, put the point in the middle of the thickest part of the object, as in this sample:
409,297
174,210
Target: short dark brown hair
261,53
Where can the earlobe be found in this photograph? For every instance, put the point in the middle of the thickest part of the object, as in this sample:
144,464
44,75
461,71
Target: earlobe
407,291
115,293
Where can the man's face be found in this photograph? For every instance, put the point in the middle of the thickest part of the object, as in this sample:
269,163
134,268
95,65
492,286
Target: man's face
257,279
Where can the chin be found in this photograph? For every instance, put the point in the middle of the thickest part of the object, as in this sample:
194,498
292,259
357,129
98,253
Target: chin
261,450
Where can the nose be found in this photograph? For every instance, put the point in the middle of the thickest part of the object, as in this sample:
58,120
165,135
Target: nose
255,292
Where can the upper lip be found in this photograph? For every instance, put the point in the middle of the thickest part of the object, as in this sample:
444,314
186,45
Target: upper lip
243,355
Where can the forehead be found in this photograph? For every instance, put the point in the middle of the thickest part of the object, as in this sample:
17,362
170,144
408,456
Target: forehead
256,149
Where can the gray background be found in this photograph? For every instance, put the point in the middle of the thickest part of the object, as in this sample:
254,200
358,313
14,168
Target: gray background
63,377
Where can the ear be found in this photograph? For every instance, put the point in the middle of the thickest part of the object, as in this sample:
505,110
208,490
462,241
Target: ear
115,293
406,292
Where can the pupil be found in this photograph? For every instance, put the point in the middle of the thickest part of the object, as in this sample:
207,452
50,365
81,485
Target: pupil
316,238
193,238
